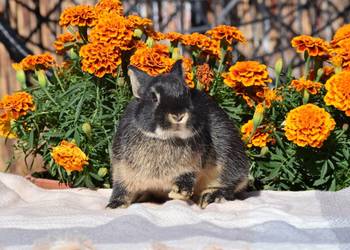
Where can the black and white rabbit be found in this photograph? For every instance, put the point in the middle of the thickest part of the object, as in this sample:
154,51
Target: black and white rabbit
175,142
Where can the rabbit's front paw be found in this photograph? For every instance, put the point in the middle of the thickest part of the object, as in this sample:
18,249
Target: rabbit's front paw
180,193
210,196
117,204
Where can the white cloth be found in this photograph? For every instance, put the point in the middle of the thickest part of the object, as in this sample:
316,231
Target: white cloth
30,216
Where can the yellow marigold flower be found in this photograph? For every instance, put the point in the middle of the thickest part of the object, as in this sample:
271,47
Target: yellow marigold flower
247,73
341,34
173,36
100,59
62,40
153,61
202,42
69,156
17,104
205,75
228,33
5,126
340,56
261,137
113,30
303,84
137,21
81,15
313,45
338,91
308,125
187,65
107,6
268,96
35,62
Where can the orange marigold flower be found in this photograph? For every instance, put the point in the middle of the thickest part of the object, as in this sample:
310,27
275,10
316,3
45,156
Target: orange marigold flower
205,75
5,126
303,84
308,125
69,156
107,6
228,33
261,137
313,45
17,104
157,36
35,62
338,91
62,40
268,96
202,42
153,61
81,15
100,59
340,56
113,30
247,73
173,36
137,21
187,65
341,34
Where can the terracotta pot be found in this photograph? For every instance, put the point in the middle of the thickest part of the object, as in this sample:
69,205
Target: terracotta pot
47,183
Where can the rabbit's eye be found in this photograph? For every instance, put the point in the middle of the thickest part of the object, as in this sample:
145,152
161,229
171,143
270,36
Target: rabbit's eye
154,97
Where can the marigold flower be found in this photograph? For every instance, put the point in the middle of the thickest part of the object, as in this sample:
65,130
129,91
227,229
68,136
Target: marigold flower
338,91
268,96
308,125
247,73
260,138
113,30
100,59
107,6
5,126
303,84
205,75
69,156
157,36
173,36
35,62
17,104
62,40
202,42
137,21
187,65
153,61
313,45
226,33
81,15
341,34
340,56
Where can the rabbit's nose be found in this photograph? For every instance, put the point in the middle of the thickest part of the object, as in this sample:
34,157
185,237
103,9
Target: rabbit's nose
178,118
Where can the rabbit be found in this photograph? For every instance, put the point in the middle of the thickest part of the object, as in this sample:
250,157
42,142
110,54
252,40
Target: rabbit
175,142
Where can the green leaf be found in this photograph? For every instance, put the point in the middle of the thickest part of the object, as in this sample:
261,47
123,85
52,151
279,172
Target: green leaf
320,182
95,176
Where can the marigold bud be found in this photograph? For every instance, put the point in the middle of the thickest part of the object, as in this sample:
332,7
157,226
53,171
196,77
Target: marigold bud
41,78
21,78
86,127
138,33
278,66
102,172
258,115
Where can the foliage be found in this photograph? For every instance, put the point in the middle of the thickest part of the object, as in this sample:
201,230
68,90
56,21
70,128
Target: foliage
79,102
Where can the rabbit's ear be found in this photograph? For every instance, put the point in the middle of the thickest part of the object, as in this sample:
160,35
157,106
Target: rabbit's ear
177,69
137,77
